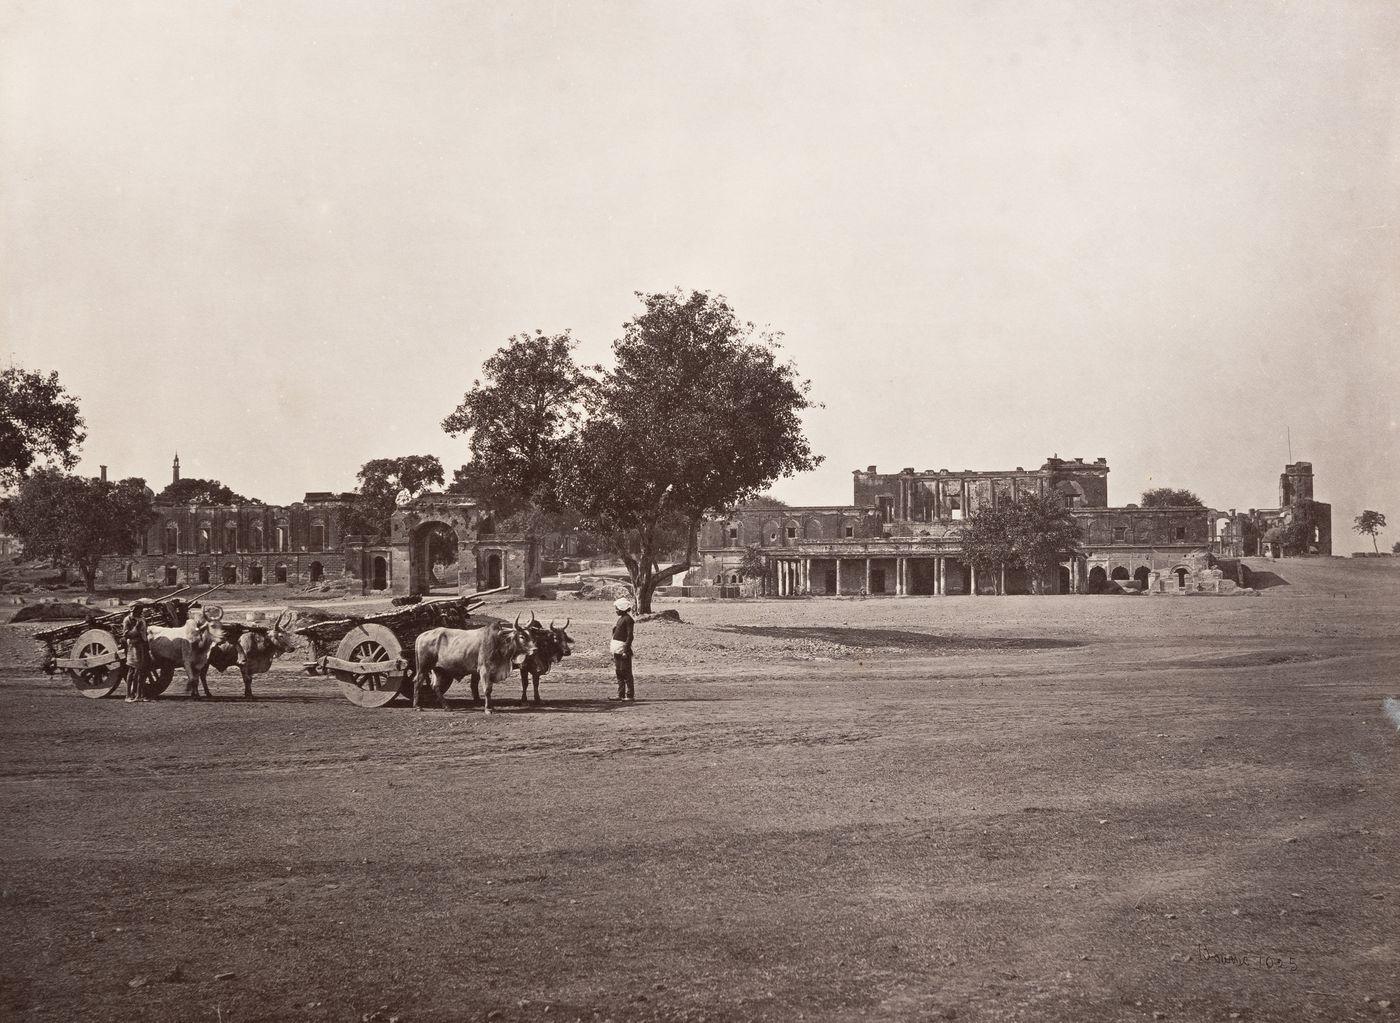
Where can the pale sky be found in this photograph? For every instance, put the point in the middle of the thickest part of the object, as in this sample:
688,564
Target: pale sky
282,237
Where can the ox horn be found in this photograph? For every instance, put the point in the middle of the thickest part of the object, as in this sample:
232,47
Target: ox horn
566,624
517,621
533,621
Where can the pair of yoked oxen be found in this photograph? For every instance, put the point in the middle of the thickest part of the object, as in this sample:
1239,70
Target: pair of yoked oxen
444,655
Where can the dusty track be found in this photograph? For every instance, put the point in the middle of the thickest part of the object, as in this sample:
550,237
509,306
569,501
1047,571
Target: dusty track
989,808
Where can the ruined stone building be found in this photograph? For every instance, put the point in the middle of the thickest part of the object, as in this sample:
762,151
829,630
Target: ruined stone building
900,535
308,542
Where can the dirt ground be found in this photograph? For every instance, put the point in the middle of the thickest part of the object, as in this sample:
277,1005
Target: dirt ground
1019,808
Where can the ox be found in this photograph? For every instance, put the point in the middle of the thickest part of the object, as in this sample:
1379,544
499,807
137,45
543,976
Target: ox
185,647
444,655
552,645
252,649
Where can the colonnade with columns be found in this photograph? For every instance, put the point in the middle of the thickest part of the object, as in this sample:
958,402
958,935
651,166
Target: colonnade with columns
854,574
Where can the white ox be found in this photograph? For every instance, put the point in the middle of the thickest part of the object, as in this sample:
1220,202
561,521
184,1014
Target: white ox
186,647
253,650
444,655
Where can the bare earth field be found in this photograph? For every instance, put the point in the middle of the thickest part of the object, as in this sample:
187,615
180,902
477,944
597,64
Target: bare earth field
1058,808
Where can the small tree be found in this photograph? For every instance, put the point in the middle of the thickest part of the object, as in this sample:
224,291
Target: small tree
71,520
39,421
1031,532
1170,497
384,484
1370,523
193,490
753,565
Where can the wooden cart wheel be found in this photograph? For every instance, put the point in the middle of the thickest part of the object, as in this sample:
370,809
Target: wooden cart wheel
159,682
95,683
367,644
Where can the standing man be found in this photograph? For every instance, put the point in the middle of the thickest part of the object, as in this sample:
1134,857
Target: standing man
621,647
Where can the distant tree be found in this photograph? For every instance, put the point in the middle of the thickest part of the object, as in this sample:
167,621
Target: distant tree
39,420
1170,497
1395,547
522,422
386,483
71,520
764,500
197,491
1291,537
1032,532
696,416
753,565
1370,523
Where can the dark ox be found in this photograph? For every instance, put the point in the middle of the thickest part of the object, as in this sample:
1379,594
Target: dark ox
444,655
552,645
186,647
253,650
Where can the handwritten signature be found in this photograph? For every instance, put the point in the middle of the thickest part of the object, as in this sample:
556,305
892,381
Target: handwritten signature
1249,958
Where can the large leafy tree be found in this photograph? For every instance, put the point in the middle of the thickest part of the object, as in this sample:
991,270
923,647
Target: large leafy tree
696,415
384,484
71,520
1170,497
1370,523
1032,532
39,421
193,490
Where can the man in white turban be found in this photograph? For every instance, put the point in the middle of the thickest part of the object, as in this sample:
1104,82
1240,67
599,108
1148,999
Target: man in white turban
621,647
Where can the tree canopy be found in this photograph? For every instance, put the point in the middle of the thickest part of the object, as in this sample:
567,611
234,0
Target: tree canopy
1370,523
72,520
39,421
193,490
1170,497
1032,532
384,484
696,415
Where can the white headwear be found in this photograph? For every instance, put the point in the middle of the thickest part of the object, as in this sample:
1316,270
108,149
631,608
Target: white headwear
622,604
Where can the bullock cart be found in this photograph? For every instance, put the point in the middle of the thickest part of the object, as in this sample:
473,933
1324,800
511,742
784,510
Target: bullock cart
372,657
93,653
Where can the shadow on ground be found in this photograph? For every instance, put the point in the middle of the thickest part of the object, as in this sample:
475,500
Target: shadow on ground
900,639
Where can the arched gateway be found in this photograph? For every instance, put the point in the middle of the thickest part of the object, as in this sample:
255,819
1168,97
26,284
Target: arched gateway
445,543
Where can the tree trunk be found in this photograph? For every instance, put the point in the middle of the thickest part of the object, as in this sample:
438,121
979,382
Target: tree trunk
1374,547
90,579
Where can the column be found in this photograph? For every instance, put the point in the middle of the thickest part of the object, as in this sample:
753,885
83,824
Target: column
940,586
807,576
782,578
838,577
972,585
867,577
902,570
1002,577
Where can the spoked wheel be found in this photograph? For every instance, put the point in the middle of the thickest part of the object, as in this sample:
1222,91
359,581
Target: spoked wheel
368,646
159,682
99,680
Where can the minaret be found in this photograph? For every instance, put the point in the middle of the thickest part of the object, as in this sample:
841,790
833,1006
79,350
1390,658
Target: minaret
175,469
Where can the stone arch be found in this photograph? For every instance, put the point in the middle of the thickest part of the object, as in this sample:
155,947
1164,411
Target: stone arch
792,531
255,575
495,570
1121,572
280,573
230,574
315,571
426,537
734,533
1182,573
204,575
850,528
172,539
814,529
379,578
1098,579
1142,575
172,575
771,534
230,537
